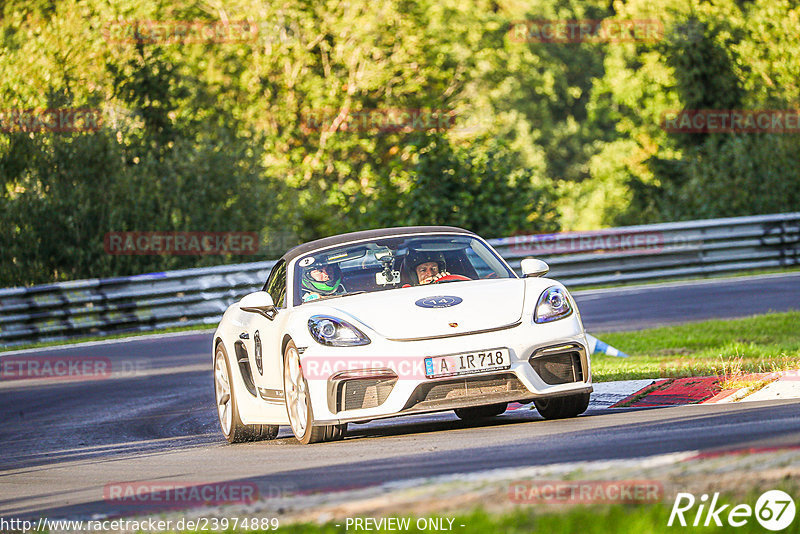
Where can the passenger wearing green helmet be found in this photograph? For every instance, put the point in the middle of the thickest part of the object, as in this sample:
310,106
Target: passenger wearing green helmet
322,280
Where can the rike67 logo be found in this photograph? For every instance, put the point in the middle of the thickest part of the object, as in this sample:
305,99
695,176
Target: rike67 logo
774,510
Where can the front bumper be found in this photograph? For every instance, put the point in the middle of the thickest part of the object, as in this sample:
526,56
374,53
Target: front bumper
547,360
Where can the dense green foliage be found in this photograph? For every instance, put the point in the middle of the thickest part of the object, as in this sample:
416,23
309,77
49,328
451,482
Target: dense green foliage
214,134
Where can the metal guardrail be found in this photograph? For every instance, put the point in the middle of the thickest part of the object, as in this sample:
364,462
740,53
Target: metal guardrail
125,304
200,296
662,251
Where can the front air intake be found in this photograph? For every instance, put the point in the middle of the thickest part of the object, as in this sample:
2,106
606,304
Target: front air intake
368,393
558,365
360,389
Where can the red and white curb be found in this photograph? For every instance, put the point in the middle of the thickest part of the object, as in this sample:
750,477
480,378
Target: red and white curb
780,385
608,394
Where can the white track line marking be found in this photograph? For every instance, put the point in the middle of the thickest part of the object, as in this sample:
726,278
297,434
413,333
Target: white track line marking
143,337
134,373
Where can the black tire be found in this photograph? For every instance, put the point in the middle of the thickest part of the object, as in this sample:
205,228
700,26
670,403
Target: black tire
562,407
312,433
481,412
238,432
264,432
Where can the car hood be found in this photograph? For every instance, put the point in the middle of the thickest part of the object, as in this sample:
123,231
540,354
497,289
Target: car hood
400,314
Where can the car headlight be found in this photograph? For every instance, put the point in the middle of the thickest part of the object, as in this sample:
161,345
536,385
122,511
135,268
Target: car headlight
335,332
553,304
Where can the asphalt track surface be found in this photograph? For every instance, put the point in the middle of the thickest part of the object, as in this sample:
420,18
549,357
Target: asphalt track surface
63,443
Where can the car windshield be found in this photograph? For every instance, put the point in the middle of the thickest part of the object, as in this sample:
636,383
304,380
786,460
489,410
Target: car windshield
390,263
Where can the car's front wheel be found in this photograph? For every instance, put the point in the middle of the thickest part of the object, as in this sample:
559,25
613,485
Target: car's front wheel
481,412
562,407
228,412
298,403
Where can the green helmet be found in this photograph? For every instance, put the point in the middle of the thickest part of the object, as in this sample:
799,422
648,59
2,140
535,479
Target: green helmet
323,288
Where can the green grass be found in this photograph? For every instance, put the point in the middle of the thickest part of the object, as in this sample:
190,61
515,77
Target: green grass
730,348
639,519
121,335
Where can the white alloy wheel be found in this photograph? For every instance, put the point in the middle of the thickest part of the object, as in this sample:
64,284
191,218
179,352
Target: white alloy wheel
222,388
296,392
298,403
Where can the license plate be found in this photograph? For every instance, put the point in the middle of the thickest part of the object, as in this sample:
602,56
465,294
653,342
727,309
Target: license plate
467,363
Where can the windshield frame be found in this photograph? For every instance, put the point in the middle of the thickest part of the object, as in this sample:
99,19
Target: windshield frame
293,287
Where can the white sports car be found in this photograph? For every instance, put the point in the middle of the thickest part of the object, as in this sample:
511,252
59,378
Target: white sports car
391,322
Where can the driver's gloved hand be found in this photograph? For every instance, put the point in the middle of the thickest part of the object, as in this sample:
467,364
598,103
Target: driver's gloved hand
438,276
